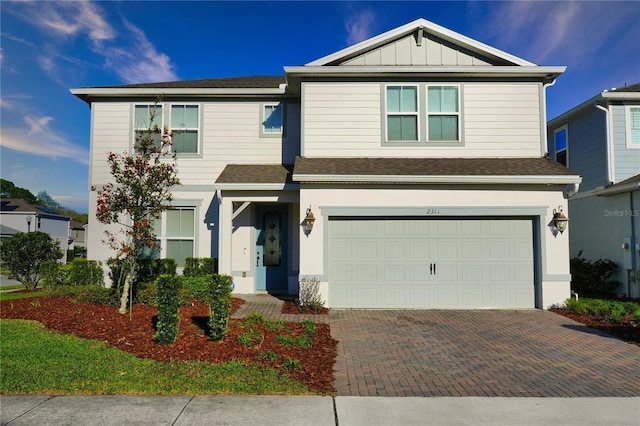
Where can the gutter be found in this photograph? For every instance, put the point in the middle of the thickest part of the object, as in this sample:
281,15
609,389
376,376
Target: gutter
545,141
470,179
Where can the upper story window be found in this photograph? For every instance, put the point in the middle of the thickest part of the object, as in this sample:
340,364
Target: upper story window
443,112
184,127
271,120
561,145
147,117
402,113
406,123
633,127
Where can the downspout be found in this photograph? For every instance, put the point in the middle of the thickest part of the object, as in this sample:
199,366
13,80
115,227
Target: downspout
634,240
545,140
611,176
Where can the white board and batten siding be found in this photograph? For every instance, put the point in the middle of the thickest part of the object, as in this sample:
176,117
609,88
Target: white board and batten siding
405,51
111,132
345,120
421,263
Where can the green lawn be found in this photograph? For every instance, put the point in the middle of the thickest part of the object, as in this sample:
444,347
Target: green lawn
12,295
35,360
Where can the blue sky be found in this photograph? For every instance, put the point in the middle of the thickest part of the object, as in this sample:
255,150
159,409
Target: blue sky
47,48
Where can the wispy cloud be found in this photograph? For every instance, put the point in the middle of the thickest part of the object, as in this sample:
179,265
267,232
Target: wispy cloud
544,31
139,61
126,51
359,26
40,139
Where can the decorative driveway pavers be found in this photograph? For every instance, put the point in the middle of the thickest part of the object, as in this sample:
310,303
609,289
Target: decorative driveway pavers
527,353
505,353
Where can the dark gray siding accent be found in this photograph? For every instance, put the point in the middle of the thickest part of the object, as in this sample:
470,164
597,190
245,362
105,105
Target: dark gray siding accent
588,148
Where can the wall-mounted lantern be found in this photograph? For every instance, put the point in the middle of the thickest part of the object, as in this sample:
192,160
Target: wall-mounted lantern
308,221
28,223
560,220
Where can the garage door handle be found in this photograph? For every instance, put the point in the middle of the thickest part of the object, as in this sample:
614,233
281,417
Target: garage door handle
431,269
434,269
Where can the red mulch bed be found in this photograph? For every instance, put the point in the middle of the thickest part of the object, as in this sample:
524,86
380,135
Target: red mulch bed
290,307
104,323
628,332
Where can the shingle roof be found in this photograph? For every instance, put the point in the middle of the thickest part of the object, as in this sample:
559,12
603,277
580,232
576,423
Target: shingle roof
256,173
630,88
430,167
20,206
632,179
249,82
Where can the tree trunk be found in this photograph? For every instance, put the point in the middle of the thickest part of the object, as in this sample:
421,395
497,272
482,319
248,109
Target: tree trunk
125,294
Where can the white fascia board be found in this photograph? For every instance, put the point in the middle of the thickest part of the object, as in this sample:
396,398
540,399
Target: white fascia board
546,179
550,72
431,28
153,91
621,96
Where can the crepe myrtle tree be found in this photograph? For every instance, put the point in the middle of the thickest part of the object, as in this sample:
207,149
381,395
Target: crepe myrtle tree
140,192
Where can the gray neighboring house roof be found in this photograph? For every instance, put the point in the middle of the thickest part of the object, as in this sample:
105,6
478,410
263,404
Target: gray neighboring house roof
16,205
8,231
627,185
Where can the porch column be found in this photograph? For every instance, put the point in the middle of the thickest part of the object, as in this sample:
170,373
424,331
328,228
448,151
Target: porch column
225,220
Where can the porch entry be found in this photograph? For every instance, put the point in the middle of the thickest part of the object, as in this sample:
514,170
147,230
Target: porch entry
271,248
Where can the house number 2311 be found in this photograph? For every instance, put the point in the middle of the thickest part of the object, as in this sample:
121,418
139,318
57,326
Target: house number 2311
433,211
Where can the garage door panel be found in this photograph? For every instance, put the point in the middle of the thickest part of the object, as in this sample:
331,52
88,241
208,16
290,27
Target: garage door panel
388,263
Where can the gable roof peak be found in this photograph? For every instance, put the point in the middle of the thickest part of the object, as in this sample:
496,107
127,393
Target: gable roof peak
429,27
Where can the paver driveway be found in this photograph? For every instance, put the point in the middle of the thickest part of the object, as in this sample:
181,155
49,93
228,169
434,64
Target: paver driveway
524,353
527,353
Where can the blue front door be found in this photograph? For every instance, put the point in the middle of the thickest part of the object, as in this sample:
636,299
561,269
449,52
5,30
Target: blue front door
271,248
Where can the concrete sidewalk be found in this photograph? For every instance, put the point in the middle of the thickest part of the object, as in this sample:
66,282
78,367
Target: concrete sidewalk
314,410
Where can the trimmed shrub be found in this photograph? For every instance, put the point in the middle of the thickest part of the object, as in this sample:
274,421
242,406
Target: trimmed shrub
595,277
168,309
195,287
147,271
219,306
196,266
78,272
52,276
85,272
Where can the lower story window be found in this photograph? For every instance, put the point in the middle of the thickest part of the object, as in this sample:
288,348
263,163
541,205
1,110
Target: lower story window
176,234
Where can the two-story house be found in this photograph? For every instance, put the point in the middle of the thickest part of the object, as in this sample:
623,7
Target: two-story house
19,216
600,139
406,171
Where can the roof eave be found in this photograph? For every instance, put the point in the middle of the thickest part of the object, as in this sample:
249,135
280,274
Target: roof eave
89,93
443,179
547,72
255,186
617,189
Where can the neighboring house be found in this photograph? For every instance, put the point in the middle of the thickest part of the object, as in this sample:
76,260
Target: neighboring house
420,154
600,139
76,234
19,216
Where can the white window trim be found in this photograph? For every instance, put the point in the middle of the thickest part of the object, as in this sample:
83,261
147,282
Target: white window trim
402,113
135,124
627,112
263,117
566,149
163,231
457,114
197,129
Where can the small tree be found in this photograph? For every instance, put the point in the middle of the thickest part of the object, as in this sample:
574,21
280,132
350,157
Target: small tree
24,253
141,192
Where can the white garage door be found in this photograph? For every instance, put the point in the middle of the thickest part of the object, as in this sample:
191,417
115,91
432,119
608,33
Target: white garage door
431,263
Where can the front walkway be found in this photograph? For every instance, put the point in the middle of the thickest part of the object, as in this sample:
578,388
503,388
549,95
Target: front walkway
524,353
